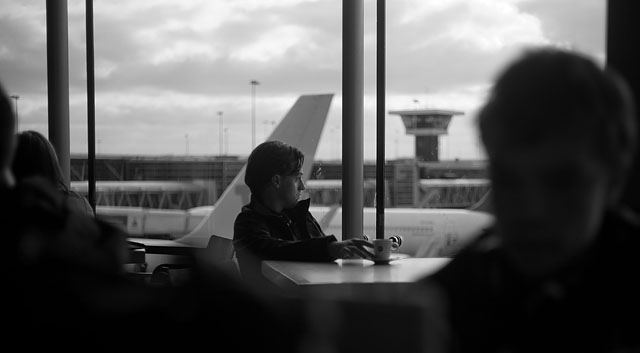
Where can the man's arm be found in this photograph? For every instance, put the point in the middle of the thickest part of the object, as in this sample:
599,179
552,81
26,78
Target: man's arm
252,235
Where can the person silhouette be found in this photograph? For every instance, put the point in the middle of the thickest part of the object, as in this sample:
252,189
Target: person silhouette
554,271
35,155
65,286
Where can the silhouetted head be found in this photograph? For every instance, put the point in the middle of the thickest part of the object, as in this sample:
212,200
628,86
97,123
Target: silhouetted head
35,156
7,133
555,94
559,132
271,165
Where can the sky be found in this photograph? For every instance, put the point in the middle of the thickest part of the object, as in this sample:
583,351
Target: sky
168,73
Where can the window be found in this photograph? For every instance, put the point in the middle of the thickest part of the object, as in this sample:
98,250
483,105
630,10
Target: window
184,90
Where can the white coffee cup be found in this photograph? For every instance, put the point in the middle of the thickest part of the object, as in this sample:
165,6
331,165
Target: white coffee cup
382,249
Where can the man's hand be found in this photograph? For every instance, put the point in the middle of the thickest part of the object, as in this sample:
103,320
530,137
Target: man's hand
351,248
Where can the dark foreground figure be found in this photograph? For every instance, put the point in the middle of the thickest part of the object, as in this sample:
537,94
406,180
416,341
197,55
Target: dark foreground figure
558,270
65,288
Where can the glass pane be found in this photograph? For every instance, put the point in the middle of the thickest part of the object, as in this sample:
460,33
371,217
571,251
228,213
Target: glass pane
185,89
443,56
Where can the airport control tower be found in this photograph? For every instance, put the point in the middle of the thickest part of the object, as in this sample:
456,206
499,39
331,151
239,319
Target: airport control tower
427,125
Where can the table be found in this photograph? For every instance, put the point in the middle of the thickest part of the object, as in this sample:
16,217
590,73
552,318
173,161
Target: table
358,297
136,253
350,278
164,246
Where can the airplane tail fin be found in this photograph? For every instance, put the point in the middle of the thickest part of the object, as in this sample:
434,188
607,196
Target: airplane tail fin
326,220
301,127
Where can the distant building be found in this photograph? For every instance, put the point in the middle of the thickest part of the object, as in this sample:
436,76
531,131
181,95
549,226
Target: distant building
426,125
185,182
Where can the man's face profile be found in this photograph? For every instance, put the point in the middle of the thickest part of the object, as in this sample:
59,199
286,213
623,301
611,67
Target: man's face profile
291,186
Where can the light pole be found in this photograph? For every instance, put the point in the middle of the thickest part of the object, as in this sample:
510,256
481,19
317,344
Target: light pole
273,124
186,139
254,83
15,97
334,148
396,142
398,134
221,137
226,142
266,128
266,123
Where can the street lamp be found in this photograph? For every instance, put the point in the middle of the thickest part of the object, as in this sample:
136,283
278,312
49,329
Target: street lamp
221,137
226,142
334,137
254,83
186,139
397,138
266,127
15,98
396,142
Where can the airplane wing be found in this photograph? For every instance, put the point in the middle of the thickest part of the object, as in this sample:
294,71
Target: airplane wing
301,127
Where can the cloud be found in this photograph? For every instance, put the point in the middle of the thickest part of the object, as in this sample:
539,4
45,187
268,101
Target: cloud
272,45
453,43
164,68
582,30
485,25
23,43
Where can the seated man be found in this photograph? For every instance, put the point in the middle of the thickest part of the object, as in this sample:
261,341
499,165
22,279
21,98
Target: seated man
275,225
558,270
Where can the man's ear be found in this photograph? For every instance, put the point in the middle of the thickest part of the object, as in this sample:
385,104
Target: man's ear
276,180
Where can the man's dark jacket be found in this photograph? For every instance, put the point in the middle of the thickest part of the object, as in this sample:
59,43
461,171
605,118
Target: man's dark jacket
262,234
592,305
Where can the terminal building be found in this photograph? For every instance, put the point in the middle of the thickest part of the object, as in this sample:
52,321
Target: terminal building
183,182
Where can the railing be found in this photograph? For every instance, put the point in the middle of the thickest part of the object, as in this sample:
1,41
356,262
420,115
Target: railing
451,193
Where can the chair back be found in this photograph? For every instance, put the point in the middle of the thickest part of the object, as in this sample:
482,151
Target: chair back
220,248
219,251
170,275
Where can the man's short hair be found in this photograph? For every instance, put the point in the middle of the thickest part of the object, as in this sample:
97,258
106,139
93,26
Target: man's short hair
555,93
268,159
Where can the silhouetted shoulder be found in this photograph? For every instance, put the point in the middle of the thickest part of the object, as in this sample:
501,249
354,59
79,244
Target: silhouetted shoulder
80,203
